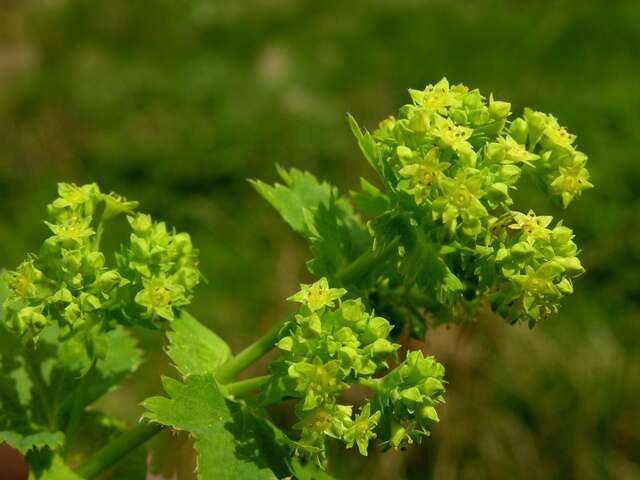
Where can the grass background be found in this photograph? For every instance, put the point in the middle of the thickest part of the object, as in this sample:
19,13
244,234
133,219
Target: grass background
176,103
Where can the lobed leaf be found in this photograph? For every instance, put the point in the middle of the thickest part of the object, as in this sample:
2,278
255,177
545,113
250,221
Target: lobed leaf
122,358
316,211
26,442
230,443
301,191
46,466
194,349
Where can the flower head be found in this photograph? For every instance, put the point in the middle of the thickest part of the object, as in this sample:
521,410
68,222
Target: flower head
570,182
116,204
532,226
318,295
160,296
362,429
423,176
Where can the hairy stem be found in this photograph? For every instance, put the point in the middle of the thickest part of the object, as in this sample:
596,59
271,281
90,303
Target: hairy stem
250,355
77,410
118,449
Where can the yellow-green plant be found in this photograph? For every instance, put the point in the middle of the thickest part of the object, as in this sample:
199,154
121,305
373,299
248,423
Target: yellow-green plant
437,236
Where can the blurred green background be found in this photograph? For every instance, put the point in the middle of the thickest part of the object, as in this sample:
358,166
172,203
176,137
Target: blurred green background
176,103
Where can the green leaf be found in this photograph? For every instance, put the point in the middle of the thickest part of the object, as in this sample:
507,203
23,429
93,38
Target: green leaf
72,359
28,409
366,143
195,349
255,436
301,191
308,471
317,212
370,200
38,440
338,238
123,357
46,466
22,416
223,433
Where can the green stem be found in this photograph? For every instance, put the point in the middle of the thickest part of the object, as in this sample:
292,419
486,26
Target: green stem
121,446
77,410
118,449
363,264
358,268
33,369
99,232
244,386
249,355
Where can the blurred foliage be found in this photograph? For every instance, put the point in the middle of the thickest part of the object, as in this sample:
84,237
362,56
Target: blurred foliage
177,102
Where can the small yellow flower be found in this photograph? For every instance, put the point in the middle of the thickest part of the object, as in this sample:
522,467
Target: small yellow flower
438,96
317,295
532,226
570,183
420,178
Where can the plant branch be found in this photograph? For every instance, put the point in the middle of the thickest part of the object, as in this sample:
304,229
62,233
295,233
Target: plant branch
358,268
118,449
244,386
249,355
363,264
33,369
77,410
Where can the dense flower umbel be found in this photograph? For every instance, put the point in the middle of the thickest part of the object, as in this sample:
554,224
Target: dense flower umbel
329,346
407,398
450,163
68,282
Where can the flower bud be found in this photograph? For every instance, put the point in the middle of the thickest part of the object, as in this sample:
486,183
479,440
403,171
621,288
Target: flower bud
116,204
141,223
71,261
89,302
181,244
404,153
93,261
519,130
107,280
572,265
72,314
30,319
499,109
428,413
382,347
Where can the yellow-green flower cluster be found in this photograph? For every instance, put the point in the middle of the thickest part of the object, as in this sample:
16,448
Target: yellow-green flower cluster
450,162
162,267
69,283
561,165
538,264
407,398
456,154
330,345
